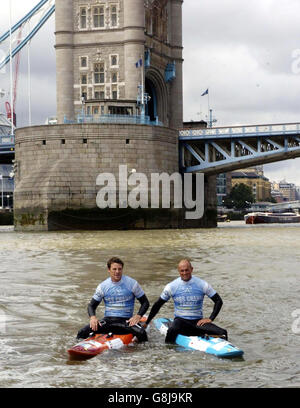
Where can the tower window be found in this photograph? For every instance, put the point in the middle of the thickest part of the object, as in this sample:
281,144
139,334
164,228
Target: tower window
99,93
83,62
114,60
83,18
99,74
113,16
114,77
114,92
83,79
120,110
98,17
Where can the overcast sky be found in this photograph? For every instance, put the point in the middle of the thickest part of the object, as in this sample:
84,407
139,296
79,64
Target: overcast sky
247,53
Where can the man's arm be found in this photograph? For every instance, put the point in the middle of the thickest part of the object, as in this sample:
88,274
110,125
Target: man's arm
217,306
143,309
155,309
144,305
218,302
92,306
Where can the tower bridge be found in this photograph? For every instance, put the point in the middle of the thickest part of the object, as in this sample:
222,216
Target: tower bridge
120,101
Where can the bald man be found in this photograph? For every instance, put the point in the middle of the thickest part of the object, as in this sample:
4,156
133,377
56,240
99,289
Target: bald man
188,293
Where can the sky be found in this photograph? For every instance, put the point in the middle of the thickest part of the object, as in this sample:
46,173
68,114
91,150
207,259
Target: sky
247,53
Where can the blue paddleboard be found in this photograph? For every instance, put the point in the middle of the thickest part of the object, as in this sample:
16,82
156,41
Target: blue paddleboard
210,345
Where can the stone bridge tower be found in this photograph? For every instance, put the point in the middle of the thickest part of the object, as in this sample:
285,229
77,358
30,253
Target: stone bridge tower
108,52
99,42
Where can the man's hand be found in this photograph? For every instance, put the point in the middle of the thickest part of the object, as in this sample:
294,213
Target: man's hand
134,320
94,323
203,321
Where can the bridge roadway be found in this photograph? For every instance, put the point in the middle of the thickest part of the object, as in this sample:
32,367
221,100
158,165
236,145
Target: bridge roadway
224,149
221,149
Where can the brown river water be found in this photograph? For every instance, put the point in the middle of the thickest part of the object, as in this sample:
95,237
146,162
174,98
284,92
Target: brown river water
47,280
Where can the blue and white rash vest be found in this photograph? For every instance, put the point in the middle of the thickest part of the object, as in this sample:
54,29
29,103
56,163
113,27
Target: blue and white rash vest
188,296
119,297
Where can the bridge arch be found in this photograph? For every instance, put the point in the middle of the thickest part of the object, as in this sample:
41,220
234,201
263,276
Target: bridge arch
156,87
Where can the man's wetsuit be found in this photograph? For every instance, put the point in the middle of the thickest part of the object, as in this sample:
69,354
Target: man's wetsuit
188,300
119,298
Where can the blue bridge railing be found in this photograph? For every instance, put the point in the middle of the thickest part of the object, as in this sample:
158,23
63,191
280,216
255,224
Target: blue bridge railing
114,119
237,131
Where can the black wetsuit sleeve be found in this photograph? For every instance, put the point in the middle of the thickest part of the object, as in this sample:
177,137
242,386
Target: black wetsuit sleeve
92,306
144,305
155,309
217,306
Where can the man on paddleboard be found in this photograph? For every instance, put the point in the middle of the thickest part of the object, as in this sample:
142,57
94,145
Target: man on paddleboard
188,293
118,293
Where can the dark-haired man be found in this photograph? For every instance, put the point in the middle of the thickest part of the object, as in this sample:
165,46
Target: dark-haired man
118,293
188,293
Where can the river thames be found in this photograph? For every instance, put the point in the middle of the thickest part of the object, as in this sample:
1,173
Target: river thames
47,280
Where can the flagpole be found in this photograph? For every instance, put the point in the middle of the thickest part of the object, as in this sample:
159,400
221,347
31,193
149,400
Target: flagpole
209,122
11,70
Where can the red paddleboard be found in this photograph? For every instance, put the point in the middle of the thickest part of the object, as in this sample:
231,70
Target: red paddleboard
95,345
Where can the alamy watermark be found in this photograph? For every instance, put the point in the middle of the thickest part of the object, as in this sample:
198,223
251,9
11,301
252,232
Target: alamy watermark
296,322
160,190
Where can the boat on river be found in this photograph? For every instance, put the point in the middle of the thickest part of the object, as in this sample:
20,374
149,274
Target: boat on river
271,218
222,218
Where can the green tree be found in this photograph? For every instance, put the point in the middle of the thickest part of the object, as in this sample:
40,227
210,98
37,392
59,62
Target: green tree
240,197
271,200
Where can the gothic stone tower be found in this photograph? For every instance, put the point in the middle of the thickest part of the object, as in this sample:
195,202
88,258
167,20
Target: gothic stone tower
98,43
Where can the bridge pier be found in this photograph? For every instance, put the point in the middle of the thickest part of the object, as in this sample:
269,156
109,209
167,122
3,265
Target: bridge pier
55,185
